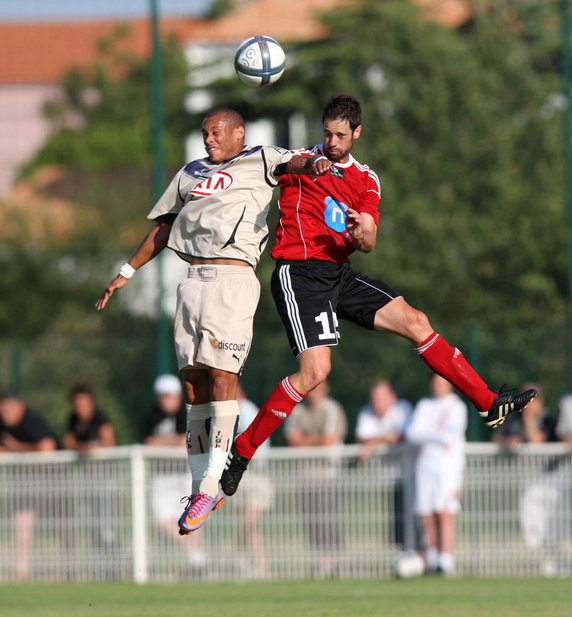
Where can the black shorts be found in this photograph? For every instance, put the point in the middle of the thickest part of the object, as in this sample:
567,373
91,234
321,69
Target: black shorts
311,295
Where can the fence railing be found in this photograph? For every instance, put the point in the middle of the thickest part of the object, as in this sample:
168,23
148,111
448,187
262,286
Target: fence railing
300,513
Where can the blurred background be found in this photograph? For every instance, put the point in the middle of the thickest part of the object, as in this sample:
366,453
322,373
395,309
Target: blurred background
463,121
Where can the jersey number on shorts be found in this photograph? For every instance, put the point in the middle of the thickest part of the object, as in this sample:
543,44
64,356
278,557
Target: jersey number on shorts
329,330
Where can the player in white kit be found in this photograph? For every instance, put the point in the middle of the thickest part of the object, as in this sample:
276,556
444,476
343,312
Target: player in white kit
438,427
213,215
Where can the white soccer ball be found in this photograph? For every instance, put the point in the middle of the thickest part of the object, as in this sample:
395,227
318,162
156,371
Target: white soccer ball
259,61
409,565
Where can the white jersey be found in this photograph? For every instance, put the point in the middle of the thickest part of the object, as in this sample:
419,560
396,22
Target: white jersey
221,209
438,426
370,425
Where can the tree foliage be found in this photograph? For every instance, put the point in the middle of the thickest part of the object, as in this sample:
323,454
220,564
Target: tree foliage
464,127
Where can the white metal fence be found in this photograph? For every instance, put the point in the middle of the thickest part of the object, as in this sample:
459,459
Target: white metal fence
300,513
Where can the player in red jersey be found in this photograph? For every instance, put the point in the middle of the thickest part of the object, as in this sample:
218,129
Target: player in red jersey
322,221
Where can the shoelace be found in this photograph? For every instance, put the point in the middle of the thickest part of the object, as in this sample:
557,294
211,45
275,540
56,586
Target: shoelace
505,389
188,499
199,499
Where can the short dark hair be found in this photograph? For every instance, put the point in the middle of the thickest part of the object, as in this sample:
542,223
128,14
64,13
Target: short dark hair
81,388
9,394
235,118
343,107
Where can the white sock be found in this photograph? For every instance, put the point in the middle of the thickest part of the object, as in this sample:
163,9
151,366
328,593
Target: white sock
432,558
197,442
447,562
224,415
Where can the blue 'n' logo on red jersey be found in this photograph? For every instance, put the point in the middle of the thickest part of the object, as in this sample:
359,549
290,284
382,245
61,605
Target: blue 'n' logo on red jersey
335,214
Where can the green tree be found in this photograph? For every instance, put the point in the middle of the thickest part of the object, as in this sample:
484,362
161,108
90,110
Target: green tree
464,127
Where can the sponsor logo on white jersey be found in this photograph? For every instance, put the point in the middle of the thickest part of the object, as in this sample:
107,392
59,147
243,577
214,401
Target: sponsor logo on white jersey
219,182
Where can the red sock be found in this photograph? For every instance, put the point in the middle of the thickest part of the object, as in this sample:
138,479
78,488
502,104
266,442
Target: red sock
450,363
276,409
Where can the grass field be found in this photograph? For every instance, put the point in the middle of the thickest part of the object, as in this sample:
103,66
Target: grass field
418,598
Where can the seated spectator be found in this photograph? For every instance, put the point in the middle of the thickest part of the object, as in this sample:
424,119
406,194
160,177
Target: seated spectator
88,427
320,421
382,420
438,427
166,423
23,430
533,425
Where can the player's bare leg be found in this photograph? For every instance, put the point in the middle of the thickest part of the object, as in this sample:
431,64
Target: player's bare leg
23,523
430,537
446,527
208,449
402,319
315,365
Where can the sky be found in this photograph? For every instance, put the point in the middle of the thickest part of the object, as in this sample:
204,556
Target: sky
24,10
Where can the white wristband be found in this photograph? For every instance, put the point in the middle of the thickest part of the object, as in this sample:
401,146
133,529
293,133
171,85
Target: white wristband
126,271
320,158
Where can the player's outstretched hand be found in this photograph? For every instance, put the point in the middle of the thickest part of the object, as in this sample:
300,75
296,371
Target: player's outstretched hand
353,223
117,283
321,167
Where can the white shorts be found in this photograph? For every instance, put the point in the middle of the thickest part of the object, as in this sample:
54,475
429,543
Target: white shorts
215,313
438,489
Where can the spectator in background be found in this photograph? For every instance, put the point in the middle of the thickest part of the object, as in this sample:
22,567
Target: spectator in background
23,430
256,494
166,425
320,421
542,508
88,427
438,427
166,422
533,425
381,421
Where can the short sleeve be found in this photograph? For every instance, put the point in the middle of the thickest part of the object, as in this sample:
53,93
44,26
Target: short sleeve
99,419
171,201
149,425
272,156
371,196
34,428
181,422
335,419
365,427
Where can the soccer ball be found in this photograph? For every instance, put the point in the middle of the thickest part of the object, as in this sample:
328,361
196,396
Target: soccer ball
409,565
259,61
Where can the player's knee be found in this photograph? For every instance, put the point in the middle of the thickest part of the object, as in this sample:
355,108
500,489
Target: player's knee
418,325
315,376
223,385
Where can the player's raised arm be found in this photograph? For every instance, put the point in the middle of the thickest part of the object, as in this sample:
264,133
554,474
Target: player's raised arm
151,245
304,165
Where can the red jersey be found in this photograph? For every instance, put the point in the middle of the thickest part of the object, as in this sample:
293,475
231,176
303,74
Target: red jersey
312,213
